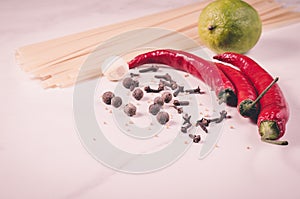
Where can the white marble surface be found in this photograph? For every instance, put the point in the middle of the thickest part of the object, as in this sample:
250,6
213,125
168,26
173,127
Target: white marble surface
41,155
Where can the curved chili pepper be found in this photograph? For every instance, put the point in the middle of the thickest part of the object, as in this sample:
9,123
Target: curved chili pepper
246,93
274,112
200,68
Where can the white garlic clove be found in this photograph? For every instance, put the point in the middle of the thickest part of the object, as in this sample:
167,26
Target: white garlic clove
115,68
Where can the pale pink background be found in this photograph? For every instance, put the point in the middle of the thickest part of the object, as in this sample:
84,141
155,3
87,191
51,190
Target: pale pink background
41,155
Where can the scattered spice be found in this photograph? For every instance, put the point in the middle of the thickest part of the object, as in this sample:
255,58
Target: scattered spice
174,85
116,102
180,89
134,85
148,89
186,118
167,97
179,109
134,75
181,103
223,115
166,77
203,121
138,94
130,109
196,138
194,91
203,127
185,128
162,117
159,101
107,96
163,83
127,82
153,68
154,109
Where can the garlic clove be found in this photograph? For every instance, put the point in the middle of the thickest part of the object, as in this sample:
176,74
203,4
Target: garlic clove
115,68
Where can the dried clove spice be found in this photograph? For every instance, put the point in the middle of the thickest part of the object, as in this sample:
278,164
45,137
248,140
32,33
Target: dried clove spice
203,127
194,91
181,103
185,128
180,89
203,121
163,83
196,138
186,118
148,89
134,75
223,115
153,68
179,109
166,77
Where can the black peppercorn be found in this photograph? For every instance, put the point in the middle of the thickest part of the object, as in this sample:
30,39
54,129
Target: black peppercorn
130,109
154,109
162,117
167,97
138,94
159,101
127,82
107,96
116,102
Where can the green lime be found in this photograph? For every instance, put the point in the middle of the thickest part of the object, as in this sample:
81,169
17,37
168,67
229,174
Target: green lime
229,25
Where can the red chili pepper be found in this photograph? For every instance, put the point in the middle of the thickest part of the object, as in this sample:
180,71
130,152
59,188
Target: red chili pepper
274,112
200,68
246,93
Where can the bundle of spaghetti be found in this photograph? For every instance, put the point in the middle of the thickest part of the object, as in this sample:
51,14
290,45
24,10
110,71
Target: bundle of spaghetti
57,62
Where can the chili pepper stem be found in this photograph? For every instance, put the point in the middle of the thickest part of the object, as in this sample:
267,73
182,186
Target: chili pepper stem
277,142
228,97
269,132
247,107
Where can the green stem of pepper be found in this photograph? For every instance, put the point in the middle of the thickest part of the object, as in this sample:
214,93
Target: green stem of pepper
269,132
247,107
228,97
